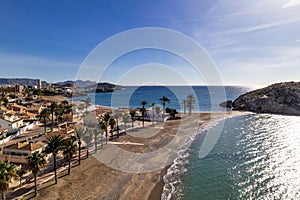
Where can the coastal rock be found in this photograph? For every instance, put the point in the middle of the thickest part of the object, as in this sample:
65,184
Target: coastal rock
279,98
226,104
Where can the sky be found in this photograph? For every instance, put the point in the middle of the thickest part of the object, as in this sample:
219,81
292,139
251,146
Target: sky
250,42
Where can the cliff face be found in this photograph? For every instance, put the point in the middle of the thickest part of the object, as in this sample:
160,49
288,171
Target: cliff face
279,98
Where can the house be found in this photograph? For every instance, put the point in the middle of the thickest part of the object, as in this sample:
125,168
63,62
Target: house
35,109
11,122
19,152
18,108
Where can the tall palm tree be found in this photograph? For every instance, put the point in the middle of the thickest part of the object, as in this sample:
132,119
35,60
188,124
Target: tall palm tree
126,118
117,115
45,113
87,103
7,172
53,106
112,123
88,139
184,103
54,145
69,149
59,110
104,122
97,131
190,100
157,111
20,172
35,162
79,134
132,115
153,107
163,101
143,110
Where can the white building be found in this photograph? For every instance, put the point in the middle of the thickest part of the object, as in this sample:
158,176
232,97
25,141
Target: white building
11,122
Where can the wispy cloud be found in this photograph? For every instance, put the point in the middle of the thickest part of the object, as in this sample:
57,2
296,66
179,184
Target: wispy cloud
292,3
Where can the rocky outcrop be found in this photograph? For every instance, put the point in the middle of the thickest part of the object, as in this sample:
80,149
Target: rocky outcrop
279,98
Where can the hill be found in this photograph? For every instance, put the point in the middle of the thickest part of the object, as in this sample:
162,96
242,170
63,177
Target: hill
20,81
279,98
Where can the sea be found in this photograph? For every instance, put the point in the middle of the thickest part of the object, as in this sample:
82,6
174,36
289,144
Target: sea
257,156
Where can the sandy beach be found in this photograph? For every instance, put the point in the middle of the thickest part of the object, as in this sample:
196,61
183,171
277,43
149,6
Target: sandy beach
95,180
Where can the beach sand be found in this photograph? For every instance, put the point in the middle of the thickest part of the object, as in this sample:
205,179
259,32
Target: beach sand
94,180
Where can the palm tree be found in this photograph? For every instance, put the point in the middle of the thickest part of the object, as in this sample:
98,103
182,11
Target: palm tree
45,113
87,103
126,118
163,101
184,103
97,131
152,106
53,107
143,110
35,162
59,110
132,114
7,172
157,111
112,123
79,134
87,139
69,149
190,100
54,145
104,122
117,114
20,172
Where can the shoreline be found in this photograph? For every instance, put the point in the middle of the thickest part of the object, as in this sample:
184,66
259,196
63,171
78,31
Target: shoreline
104,182
158,189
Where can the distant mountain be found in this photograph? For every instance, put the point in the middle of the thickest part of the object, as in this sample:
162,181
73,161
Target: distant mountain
103,87
78,83
20,81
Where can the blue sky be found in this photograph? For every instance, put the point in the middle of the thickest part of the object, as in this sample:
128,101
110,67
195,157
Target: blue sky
252,42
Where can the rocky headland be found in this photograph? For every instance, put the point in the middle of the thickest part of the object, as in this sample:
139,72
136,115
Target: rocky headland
279,98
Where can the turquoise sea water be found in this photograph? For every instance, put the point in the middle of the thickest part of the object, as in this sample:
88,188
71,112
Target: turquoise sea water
256,157
207,98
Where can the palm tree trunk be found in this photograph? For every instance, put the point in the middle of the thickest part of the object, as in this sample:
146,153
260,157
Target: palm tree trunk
153,117
35,185
52,122
55,174
3,194
79,151
132,126
87,151
45,125
96,144
20,181
69,167
106,137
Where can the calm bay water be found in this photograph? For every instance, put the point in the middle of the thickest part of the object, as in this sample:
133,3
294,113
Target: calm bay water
207,98
257,157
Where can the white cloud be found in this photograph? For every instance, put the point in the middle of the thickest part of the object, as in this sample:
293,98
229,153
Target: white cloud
292,3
